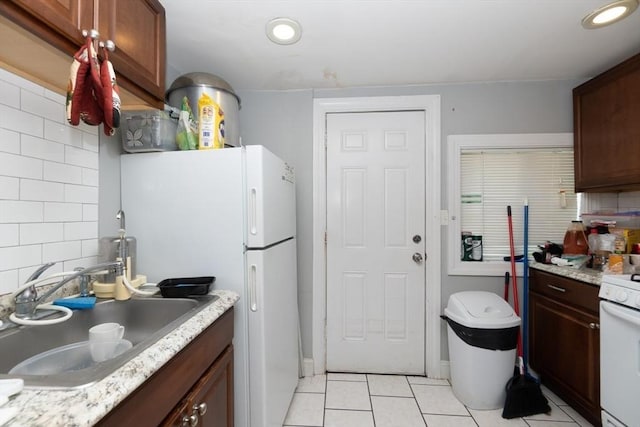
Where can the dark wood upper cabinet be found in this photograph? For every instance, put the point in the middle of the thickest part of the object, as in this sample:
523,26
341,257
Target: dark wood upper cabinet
46,33
138,30
607,130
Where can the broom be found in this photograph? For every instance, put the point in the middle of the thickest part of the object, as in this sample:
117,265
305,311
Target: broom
524,396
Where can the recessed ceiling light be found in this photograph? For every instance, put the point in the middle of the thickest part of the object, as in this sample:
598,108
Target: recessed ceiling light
610,13
284,31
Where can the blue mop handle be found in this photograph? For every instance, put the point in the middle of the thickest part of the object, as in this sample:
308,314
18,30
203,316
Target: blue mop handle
525,288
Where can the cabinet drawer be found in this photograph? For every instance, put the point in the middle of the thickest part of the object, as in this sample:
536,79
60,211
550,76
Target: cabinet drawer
573,292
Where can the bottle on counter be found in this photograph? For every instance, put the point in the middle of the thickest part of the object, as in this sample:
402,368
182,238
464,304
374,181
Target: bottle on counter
575,240
593,241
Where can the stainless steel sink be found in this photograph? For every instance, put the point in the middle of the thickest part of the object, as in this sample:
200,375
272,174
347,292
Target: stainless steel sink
146,320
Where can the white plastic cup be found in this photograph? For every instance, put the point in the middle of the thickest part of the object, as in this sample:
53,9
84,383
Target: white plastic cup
104,339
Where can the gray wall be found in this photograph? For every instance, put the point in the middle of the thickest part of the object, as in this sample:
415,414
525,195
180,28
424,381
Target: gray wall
109,195
283,122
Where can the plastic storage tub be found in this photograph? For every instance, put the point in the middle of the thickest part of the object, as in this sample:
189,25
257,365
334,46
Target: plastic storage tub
482,335
150,130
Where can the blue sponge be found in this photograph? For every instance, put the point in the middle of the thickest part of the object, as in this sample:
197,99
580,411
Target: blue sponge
78,303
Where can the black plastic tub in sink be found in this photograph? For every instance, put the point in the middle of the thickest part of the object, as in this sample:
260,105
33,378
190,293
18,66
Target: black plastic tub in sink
185,287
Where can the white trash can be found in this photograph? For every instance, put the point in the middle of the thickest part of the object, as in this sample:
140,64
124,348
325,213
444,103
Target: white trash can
482,334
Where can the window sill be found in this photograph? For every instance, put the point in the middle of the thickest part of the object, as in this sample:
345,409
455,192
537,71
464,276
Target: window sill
483,268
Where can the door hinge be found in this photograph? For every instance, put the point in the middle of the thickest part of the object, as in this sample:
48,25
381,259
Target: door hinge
325,238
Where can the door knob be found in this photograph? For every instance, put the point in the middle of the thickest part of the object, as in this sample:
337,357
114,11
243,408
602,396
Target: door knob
417,258
417,238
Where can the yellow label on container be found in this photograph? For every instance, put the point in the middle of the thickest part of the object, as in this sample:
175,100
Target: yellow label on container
210,124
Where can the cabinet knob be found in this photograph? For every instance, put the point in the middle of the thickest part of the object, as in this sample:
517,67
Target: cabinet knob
201,408
93,33
190,420
109,45
594,325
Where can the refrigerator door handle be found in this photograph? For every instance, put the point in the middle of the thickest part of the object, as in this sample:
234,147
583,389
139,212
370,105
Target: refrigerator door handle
253,305
253,214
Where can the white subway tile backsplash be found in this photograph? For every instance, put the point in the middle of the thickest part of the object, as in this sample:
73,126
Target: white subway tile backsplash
54,252
9,188
80,157
60,172
90,142
9,235
80,194
62,133
42,232
14,211
45,191
9,141
21,82
8,281
42,106
19,166
81,230
39,148
55,96
20,256
629,201
89,212
63,212
90,177
9,94
21,121
93,130
90,248
48,183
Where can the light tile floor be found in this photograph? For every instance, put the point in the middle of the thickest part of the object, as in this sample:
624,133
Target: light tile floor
359,400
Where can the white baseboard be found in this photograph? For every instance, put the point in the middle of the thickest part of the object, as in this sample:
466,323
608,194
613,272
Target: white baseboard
445,370
308,371
307,367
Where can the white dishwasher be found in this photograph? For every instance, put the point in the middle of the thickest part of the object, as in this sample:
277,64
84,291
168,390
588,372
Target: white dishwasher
620,350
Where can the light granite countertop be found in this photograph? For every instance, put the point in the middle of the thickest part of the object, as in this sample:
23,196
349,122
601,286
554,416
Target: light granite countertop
86,406
587,275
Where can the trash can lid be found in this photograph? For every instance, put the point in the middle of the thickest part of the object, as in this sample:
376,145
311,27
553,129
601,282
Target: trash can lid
478,309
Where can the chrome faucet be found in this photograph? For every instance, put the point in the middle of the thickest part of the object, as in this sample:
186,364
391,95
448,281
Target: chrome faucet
83,283
31,294
27,300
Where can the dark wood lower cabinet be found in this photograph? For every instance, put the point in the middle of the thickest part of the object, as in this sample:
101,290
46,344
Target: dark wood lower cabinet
564,340
210,402
194,386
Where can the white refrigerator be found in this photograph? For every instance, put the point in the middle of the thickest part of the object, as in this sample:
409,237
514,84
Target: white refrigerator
227,213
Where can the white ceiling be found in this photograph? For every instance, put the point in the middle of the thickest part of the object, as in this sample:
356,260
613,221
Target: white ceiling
348,43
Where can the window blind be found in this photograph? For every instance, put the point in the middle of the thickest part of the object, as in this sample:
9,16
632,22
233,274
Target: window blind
492,179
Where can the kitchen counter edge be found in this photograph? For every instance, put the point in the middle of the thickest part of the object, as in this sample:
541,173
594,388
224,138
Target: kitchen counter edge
586,275
86,406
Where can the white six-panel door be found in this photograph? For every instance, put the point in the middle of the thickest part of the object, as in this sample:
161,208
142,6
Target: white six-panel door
375,242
